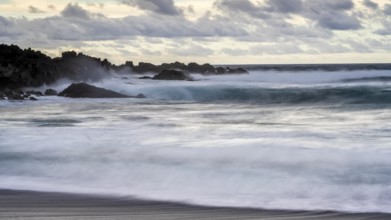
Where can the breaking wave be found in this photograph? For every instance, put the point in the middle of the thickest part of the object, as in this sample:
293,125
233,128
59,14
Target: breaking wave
350,95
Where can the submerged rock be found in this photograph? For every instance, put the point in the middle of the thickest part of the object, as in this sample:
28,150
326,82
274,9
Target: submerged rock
84,90
172,75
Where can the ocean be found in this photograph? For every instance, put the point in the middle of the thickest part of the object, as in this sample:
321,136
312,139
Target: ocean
291,140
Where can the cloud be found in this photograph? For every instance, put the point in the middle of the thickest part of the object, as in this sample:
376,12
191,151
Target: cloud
190,49
336,4
387,9
235,28
338,21
244,6
370,4
75,11
35,10
333,14
165,7
330,14
284,6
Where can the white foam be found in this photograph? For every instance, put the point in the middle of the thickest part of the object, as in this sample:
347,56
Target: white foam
211,154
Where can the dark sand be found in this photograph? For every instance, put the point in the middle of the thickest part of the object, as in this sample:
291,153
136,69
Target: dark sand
38,205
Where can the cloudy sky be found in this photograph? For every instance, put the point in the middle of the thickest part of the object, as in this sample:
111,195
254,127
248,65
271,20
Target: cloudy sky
214,31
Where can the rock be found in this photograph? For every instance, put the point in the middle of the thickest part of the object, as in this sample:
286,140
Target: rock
8,93
2,96
16,96
37,93
19,91
32,98
145,67
51,92
220,70
236,71
84,90
172,75
140,96
145,77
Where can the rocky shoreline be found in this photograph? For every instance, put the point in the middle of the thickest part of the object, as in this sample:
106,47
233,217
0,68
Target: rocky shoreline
21,68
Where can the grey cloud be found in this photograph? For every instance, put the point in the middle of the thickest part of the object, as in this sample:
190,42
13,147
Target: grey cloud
338,21
78,24
330,14
338,4
286,6
370,4
387,9
244,6
166,7
75,11
35,10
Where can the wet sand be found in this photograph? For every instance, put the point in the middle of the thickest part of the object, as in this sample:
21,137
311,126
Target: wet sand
57,206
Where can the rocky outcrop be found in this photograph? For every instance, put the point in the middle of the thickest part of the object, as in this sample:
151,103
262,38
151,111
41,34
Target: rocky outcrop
205,69
19,68
84,90
172,75
51,92
17,95
29,68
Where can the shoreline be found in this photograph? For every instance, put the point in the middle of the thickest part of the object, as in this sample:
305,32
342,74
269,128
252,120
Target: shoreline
19,204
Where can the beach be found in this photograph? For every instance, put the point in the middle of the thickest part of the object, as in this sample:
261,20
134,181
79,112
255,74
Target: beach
57,206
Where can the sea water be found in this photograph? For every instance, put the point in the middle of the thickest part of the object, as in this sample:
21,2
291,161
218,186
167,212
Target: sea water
276,140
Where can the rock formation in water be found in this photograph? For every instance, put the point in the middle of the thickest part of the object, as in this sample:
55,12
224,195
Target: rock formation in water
172,75
84,90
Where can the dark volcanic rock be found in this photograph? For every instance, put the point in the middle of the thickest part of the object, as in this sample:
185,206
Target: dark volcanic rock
236,71
172,75
145,77
16,96
84,90
38,93
19,68
32,98
51,92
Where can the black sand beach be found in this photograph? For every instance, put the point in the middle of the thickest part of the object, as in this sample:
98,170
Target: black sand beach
38,205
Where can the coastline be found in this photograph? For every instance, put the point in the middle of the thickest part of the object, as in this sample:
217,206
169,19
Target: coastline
17,204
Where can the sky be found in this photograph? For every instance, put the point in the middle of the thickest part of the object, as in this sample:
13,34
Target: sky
204,31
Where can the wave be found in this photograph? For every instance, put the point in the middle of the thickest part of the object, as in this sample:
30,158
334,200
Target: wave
261,95
370,79
358,87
